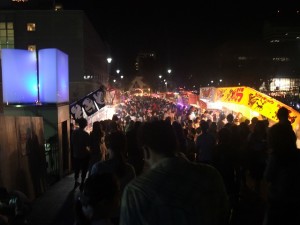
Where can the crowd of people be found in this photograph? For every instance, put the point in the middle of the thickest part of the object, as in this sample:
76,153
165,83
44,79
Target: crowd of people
156,162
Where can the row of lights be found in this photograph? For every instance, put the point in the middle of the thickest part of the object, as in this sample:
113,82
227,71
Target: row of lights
109,60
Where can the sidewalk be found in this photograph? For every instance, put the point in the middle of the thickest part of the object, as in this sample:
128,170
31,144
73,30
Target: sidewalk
55,205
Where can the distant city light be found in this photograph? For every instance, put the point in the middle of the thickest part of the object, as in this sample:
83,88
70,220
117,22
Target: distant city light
160,76
118,71
122,76
169,70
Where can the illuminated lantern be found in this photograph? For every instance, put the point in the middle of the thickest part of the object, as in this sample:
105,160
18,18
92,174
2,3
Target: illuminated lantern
26,83
19,76
53,76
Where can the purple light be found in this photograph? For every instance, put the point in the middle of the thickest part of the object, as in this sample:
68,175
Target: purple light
19,76
53,76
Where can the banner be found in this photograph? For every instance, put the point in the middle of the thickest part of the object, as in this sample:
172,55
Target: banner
76,110
256,101
207,93
89,105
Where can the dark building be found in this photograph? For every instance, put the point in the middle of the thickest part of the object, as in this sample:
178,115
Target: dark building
67,30
241,62
31,26
147,66
274,52
281,34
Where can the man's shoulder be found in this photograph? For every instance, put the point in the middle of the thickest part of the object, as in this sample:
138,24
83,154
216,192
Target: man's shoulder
101,167
160,185
79,132
156,176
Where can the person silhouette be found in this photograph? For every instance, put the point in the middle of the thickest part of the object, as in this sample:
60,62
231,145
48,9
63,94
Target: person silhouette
282,173
174,190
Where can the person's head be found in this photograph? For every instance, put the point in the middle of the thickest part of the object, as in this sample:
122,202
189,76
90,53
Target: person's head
230,118
213,126
177,128
157,138
222,116
100,197
82,123
115,118
116,143
254,120
96,126
168,120
283,114
204,125
247,121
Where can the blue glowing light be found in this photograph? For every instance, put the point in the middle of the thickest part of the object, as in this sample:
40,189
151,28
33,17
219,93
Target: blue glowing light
19,76
53,76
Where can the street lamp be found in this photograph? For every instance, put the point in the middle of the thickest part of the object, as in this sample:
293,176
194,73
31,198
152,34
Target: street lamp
160,76
121,82
109,59
118,71
169,71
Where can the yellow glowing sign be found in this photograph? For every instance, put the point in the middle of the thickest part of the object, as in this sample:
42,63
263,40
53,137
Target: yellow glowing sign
256,101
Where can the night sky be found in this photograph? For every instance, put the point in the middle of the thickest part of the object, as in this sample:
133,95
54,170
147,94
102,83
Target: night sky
185,36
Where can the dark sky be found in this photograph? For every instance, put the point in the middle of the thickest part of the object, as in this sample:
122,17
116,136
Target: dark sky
184,35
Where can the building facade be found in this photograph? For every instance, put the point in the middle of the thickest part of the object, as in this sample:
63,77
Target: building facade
67,30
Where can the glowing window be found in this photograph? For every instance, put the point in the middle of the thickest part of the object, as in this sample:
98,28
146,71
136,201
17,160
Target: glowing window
10,25
31,48
30,26
10,33
6,35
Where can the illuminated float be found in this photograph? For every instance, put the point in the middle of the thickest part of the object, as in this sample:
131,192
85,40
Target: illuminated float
247,101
